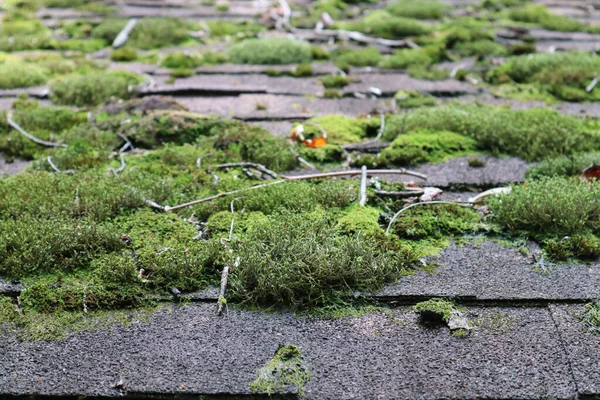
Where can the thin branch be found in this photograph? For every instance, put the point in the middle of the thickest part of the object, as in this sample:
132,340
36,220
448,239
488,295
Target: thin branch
30,136
302,160
123,36
147,201
127,143
295,178
360,37
357,172
456,203
400,194
381,127
55,168
221,302
222,194
592,85
232,221
121,168
363,186
256,166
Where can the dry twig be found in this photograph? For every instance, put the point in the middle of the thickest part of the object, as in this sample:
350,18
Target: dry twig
29,136
256,166
363,186
123,36
127,145
55,168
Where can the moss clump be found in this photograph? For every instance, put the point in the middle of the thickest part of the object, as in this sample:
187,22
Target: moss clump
539,14
93,88
20,74
475,162
153,33
108,29
480,49
180,61
582,247
402,59
590,316
124,54
303,70
335,81
181,73
326,154
428,9
270,51
428,73
341,129
411,99
369,56
423,146
299,261
438,222
558,206
532,134
286,368
240,29
564,75
361,220
382,24
563,166
435,310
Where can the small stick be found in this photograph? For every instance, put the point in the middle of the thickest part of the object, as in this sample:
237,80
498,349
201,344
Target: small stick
221,302
30,136
295,178
232,220
356,172
459,203
199,160
55,168
222,194
147,201
121,168
401,194
123,36
363,186
592,85
127,143
256,166
381,127
302,160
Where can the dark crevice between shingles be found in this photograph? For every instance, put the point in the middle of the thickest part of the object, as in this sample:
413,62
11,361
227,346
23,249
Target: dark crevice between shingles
159,396
563,346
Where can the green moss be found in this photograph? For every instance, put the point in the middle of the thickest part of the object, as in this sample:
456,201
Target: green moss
219,224
153,33
402,59
539,14
590,316
341,129
238,29
180,61
435,309
332,94
93,88
124,54
411,99
550,207
582,247
382,24
428,9
326,154
438,222
532,134
480,49
286,368
270,51
84,45
335,81
33,326
563,166
361,220
369,56
181,73
20,74
475,162
564,75
319,53
108,29
303,70
428,73
423,146
300,261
